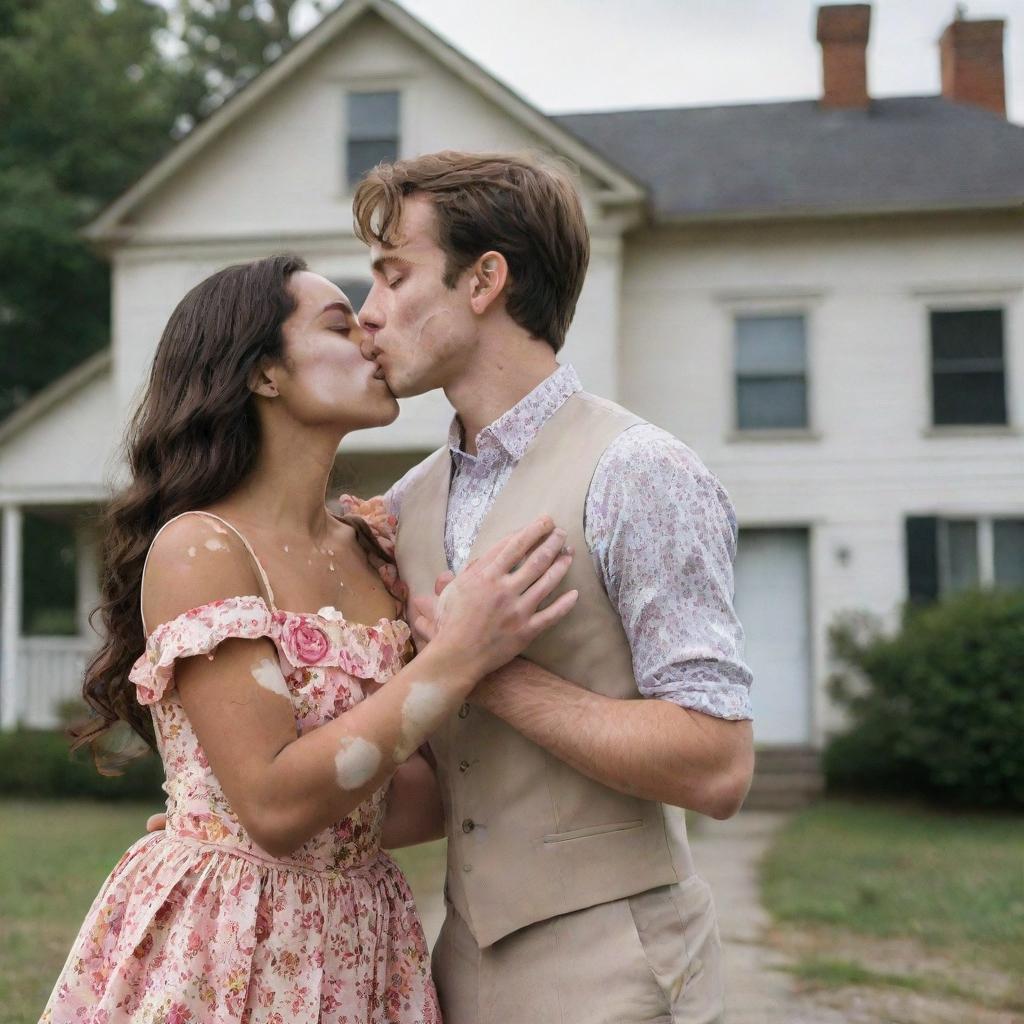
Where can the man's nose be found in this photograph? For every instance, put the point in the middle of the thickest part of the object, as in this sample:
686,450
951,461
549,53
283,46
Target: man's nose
367,336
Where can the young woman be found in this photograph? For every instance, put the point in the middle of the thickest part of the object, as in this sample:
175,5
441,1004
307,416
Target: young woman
270,667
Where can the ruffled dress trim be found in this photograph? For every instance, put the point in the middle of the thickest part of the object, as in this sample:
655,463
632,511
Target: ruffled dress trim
324,639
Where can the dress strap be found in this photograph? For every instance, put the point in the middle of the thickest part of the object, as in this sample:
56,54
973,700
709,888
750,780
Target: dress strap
234,529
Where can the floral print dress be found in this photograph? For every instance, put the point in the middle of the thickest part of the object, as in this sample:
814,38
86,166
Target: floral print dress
197,924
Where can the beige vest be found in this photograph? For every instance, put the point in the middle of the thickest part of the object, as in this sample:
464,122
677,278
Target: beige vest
529,837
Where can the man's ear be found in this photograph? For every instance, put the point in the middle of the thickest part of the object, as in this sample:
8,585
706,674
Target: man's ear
262,381
488,277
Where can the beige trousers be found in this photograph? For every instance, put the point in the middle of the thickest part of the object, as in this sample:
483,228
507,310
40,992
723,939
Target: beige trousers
654,958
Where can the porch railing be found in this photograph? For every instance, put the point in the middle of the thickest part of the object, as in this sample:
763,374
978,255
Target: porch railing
49,672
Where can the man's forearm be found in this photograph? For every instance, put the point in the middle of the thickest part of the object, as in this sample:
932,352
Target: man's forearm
648,748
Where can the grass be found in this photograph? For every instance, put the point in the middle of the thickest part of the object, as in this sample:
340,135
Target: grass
954,883
54,855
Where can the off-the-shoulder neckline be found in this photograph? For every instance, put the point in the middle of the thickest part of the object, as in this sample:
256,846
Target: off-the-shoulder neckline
271,612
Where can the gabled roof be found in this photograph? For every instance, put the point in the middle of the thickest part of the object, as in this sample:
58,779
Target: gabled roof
54,393
615,185
915,153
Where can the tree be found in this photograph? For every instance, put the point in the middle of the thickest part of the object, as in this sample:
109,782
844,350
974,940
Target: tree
229,42
87,101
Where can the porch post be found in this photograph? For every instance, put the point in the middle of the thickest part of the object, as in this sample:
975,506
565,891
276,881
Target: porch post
10,616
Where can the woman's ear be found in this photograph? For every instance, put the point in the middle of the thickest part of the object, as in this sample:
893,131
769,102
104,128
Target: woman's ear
262,381
488,278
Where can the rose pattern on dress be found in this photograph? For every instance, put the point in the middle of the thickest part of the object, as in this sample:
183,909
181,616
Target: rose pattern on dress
197,923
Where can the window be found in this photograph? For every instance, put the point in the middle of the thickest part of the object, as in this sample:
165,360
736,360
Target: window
771,374
355,288
945,556
968,375
372,132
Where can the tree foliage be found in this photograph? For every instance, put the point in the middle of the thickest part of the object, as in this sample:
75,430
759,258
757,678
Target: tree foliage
937,708
228,42
92,92
86,102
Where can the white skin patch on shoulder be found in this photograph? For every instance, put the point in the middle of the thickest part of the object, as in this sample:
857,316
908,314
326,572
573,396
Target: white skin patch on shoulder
218,527
215,545
268,674
422,711
191,552
356,762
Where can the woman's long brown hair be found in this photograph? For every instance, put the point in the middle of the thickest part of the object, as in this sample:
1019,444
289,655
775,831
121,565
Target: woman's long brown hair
193,439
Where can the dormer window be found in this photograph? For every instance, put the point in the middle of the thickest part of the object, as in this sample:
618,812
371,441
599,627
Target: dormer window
373,132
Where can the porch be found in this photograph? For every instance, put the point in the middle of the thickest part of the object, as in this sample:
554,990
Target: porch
50,584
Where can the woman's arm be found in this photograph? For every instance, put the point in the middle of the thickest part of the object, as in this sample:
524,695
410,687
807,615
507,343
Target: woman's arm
284,787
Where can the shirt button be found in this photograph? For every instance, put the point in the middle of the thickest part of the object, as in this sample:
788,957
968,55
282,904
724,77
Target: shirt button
464,711
468,825
463,766
467,868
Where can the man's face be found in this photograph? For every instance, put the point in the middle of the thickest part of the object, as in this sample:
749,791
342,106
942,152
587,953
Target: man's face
420,332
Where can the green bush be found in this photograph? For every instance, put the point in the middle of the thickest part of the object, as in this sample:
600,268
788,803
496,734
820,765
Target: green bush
937,709
35,763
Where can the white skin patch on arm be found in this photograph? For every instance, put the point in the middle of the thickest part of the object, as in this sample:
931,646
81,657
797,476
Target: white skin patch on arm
215,545
356,762
422,711
268,674
191,552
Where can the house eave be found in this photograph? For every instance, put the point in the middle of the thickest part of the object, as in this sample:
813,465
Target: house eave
1014,205
617,187
62,388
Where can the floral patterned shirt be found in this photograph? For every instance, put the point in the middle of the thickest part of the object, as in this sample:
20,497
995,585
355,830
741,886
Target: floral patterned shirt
662,533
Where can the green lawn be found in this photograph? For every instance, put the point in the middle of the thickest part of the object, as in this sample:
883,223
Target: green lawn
53,858
953,883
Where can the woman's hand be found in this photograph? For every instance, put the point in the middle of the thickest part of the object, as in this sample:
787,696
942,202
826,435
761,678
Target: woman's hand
489,612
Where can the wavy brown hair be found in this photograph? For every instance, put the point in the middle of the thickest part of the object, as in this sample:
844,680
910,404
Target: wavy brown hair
193,439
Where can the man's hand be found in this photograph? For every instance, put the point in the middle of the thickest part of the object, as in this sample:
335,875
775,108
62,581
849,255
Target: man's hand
156,823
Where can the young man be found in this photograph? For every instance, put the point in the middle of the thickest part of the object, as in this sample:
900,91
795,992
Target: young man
571,894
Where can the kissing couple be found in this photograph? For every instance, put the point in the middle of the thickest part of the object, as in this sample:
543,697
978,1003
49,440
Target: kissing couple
528,645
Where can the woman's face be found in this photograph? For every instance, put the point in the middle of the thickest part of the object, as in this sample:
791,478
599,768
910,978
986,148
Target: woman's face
324,379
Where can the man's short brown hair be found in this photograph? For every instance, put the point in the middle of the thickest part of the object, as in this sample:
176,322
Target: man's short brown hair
526,209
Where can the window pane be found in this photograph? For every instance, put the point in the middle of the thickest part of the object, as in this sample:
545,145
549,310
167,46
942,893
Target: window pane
1009,552
362,156
372,115
969,398
50,594
961,555
967,334
968,375
772,345
766,403
355,288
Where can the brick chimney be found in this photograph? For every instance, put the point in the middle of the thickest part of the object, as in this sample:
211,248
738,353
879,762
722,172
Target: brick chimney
843,34
971,54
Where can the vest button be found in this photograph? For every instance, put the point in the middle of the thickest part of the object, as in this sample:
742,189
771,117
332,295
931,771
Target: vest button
463,766
468,825
464,711
467,868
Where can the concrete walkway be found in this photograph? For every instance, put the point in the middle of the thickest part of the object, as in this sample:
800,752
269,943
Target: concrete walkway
727,854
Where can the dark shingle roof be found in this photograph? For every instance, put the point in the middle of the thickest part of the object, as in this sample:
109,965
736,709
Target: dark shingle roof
770,159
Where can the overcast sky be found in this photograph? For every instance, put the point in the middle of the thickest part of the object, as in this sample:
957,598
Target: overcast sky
567,55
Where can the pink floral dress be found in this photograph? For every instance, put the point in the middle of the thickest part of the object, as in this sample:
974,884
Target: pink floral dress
198,924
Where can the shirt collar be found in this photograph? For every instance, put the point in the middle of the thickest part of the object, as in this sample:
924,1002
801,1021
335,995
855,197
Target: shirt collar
513,430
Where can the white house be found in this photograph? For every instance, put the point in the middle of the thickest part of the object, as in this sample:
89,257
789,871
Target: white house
824,298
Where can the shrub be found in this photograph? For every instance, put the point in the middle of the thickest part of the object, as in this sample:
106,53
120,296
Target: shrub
937,709
36,763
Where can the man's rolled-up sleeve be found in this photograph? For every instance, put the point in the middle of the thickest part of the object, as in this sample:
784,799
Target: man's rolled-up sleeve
663,534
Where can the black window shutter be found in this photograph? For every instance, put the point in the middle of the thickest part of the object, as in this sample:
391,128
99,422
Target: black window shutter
923,559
